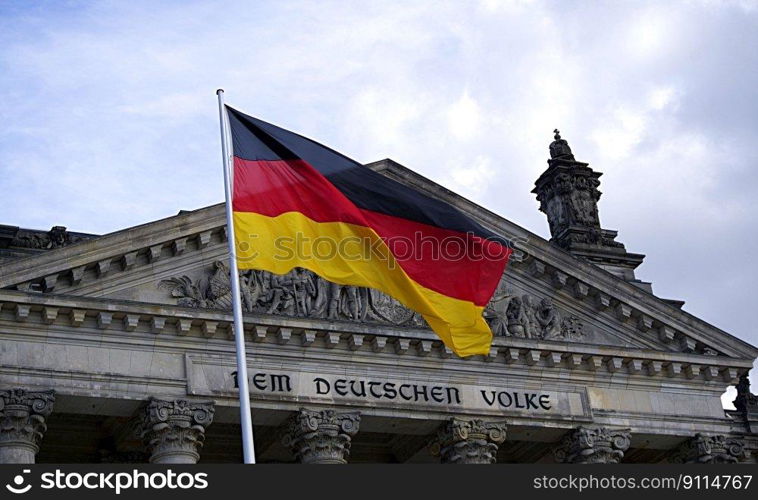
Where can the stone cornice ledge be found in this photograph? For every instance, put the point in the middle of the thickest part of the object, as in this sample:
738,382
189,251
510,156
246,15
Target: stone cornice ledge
119,315
109,248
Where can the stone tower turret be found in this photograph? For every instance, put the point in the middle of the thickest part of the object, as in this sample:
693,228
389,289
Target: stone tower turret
568,194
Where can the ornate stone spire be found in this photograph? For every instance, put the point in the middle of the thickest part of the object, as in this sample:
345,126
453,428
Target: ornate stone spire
568,194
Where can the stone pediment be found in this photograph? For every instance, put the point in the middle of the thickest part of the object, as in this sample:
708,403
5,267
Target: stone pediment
545,295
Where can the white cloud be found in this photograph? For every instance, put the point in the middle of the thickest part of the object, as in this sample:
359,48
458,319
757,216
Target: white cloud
617,138
649,31
464,117
471,176
497,5
661,97
166,106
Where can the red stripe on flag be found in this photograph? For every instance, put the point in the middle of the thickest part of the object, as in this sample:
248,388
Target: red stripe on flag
452,263
274,187
456,264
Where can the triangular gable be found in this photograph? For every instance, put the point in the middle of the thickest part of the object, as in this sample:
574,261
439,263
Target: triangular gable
547,295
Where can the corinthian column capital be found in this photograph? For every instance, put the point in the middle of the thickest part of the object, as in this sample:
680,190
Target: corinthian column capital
22,423
468,441
704,449
593,445
321,436
174,430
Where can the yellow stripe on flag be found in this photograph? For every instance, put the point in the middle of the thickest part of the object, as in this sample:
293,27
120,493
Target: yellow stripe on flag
351,254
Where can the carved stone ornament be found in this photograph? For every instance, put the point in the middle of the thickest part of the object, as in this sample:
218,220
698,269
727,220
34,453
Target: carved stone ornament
593,445
559,148
57,237
704,449
468,441
528,317
22,423
568,194
173,431
299,293
302,293
570,199
320,436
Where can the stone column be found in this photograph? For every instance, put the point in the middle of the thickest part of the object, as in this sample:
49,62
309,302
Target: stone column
22,423
321,436
704,449
173,431
593,445
468,441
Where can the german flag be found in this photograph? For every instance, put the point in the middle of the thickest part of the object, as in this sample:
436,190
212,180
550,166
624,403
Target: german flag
297,203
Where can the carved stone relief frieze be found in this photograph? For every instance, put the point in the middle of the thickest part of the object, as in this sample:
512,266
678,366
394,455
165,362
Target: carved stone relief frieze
301,293
526,316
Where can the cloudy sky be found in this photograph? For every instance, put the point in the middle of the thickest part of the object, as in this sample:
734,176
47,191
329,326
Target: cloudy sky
108,114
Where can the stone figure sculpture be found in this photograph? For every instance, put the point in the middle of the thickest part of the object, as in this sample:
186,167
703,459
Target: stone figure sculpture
525,317
531,325
516,318
549,319
57,237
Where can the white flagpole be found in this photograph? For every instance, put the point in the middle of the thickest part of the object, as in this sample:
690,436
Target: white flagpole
248,446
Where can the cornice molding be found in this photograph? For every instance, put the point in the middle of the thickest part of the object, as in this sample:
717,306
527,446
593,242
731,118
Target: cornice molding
168,322
118,251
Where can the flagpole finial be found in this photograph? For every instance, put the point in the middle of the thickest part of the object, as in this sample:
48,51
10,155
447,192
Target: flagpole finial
219,91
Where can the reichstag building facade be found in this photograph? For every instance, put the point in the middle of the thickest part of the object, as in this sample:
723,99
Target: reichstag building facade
119,348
